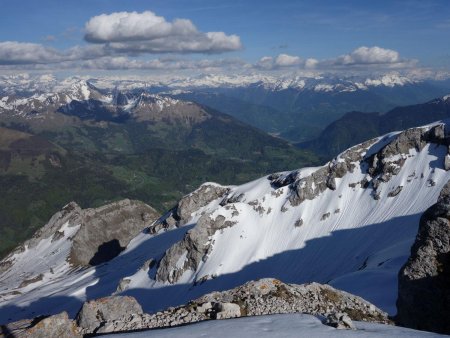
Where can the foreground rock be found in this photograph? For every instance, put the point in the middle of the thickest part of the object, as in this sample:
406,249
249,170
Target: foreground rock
424,282
58,325
340,321
96,313
266,296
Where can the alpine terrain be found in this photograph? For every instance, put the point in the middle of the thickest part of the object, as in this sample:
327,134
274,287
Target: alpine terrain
330,241
71,141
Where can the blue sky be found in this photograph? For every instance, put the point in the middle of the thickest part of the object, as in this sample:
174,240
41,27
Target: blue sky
418,31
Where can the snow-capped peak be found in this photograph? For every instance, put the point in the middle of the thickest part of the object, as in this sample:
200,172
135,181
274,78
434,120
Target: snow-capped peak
389,80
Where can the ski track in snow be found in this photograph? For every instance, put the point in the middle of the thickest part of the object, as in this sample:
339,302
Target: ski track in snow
359,248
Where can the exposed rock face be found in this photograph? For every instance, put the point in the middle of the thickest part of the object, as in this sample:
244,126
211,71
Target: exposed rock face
71,214
325,178
58,325
188,253
96,313
266,296
102,232
424,281
182,212
382,165
107,230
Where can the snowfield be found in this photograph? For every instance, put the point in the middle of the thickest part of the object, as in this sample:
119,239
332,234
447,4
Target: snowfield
346,238
280,326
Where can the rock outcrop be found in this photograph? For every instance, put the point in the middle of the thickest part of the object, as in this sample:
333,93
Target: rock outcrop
95,314
102,233
58,325
107,230
263,297
424,281
189,204
380,165
192,250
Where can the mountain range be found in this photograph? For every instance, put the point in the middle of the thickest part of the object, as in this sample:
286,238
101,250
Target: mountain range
356,126
296,108
349,224
95,146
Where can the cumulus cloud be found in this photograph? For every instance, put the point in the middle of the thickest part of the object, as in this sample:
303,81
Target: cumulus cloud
132,32
369,55
12,52
311,63
282,60
285,60
362,58
126,26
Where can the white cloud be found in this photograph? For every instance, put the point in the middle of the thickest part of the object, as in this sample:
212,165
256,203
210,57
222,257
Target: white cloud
125,63
369,55
311,63
132,32
282,60
285,60
126,26
12,52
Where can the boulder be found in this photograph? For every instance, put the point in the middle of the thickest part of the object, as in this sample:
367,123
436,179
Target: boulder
340,321
226,310
58,325
96,313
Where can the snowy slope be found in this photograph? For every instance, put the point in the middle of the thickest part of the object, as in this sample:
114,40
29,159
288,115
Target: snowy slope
347,233
287,325
25,83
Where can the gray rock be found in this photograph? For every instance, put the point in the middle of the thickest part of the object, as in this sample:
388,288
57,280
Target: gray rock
107,230
299,222
424,295
226,310
447,162
197,199
195,246
266,296
340,321
307,188
395,192
103,232
280,180
95,314
58,325
123,285
190,203
270,296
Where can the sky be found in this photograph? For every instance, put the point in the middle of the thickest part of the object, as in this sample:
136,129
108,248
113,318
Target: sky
199,36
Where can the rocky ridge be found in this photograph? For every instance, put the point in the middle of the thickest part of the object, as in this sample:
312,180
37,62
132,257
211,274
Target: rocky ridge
262,297
84,100
78,238
380,160
424,294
